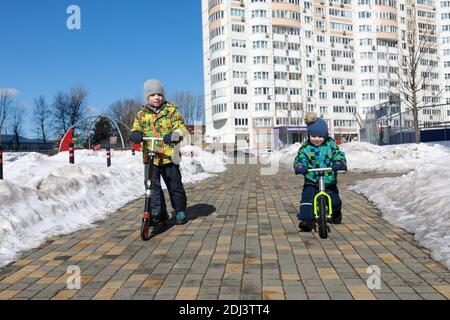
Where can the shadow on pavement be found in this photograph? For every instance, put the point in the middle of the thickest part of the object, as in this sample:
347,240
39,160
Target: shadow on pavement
199,210
192,213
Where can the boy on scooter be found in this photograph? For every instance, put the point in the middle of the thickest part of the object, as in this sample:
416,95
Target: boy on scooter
159,118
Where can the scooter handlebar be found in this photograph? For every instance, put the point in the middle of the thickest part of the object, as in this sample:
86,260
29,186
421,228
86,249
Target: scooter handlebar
152,139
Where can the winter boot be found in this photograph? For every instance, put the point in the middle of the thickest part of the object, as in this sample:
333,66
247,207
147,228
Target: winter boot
306,225
336,220
180,217
159,218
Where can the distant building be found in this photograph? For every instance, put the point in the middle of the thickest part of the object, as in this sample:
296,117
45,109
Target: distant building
197,134
269,62
9,144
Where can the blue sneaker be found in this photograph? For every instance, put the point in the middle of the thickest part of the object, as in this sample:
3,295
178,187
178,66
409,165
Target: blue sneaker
180,218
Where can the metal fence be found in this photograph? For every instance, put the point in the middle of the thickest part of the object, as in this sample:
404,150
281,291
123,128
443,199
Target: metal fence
385,124
9,143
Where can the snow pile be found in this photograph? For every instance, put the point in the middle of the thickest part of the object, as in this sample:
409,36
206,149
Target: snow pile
44,196
285,156
419,202
212,163
364,157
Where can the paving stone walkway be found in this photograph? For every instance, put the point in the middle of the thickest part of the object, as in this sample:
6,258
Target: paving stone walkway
241,242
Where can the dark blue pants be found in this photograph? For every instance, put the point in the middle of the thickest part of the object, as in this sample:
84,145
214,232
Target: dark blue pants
306,211
172,178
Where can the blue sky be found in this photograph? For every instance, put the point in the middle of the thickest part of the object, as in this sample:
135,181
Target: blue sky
121,44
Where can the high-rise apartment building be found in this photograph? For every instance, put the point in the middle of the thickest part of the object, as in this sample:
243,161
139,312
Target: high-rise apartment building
268,62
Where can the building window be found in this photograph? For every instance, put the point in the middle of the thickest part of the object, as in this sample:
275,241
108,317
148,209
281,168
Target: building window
239,59
241,122
263,106
238,44
262,91
237,12
259,13
240,90
262,75
238,28
240,106
218,108
263,122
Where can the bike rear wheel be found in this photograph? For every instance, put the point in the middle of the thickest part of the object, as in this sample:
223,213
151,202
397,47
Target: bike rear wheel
323,215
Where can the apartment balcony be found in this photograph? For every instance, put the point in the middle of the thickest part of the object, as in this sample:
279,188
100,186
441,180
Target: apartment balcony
220,116
219,124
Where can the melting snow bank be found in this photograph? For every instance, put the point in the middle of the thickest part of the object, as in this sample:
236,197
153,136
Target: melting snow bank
285,156
418,202
44,196
365,157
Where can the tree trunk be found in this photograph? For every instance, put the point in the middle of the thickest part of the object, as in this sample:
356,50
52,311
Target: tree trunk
416,117
416,125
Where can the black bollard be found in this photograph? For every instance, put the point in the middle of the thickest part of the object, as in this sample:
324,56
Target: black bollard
1,162
71,154
193,162
108,157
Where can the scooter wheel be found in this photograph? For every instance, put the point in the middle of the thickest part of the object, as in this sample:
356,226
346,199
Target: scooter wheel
145,230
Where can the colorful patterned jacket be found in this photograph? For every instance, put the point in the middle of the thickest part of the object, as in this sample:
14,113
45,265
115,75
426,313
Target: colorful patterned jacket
153,124
323,156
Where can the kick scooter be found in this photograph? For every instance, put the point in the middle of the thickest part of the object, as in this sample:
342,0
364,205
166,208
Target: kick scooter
148,221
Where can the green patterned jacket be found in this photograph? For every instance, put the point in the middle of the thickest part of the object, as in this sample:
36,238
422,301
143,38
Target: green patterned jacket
323,156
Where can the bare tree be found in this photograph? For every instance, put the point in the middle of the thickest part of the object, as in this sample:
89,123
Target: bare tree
69,109
77,104
124,111
417,70
59,112
16,121
5,107
190,105
41,117
199,110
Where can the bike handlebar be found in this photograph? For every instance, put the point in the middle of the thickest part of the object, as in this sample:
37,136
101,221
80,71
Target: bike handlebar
325,170
320,169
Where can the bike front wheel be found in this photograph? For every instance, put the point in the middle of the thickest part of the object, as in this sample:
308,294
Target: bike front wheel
323,215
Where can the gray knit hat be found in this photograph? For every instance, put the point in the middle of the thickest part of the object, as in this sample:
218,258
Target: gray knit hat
152,87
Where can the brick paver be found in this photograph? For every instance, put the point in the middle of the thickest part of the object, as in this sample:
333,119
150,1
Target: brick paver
241,242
